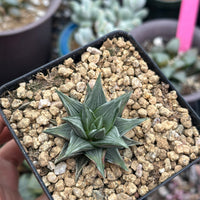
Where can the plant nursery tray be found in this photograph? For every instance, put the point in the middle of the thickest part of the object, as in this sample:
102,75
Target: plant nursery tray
76,55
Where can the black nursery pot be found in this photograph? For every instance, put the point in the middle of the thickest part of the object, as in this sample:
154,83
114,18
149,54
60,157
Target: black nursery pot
76,55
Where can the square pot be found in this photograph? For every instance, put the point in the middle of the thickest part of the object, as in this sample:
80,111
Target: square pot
76,56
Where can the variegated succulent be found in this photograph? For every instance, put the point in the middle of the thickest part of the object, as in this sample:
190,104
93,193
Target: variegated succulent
94,129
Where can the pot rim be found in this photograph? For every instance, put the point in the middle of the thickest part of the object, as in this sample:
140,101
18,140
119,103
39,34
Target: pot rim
50,11
157,23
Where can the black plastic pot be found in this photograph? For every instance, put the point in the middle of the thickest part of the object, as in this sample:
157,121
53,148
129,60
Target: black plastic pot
166,28
26,48
76,55
163,9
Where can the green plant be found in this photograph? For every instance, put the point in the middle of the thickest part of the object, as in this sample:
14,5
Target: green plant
11,7
95,18
176,66
94,129
28,187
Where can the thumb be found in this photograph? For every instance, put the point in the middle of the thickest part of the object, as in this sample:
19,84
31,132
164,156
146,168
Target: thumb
42,197
7,194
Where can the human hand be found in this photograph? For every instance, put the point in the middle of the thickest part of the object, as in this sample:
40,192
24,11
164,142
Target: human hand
10,158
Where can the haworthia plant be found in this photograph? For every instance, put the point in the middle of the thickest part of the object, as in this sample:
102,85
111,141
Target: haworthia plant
94,129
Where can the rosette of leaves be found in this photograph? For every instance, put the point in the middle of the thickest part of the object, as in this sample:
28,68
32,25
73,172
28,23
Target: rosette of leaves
176,66
96,18
94,129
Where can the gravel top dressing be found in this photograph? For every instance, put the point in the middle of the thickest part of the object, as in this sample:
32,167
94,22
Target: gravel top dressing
13,16
169,140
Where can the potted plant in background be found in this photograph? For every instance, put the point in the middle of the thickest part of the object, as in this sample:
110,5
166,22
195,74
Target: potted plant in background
25,35
93,19
29,188
168,140
166,30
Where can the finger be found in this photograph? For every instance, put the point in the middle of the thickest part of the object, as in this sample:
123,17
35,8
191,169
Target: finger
8,194
11,152
2,124
5,136
43,197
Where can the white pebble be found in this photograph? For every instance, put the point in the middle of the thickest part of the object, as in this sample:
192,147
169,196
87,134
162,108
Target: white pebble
44,103
60,168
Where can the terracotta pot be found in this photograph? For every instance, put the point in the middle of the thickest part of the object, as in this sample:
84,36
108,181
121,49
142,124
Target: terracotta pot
26,48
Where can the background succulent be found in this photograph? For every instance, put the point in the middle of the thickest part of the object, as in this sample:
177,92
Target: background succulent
94,129
11,7
176,66
95,18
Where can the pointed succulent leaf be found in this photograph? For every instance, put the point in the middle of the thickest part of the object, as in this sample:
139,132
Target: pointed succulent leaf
190,56
172,46
161,59
98,157
97,134
125,125
130,142
72,106
81,162
180,76
76,125
168,71
123,99
88,92
96,96
76,146
109,111
113,156
92,126
61,156
99,122
62,131
155,49
112,139
178,63
87,117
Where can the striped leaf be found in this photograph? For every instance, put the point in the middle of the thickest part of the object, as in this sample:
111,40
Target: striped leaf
72,106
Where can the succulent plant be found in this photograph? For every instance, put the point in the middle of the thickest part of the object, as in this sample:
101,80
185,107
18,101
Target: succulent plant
94,129
11,7
95,18
176,66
